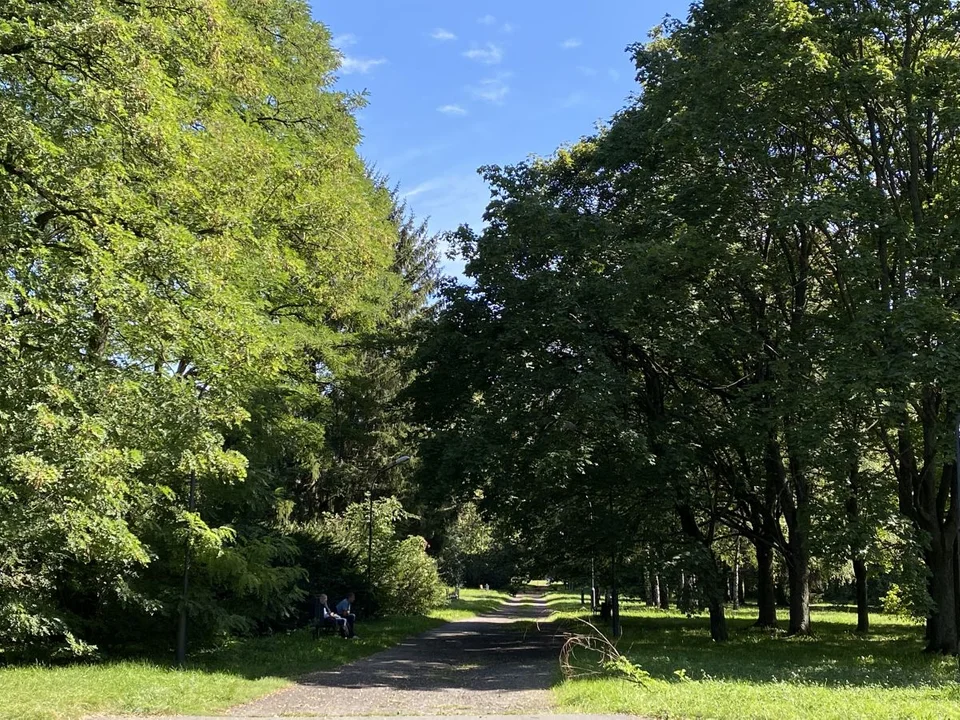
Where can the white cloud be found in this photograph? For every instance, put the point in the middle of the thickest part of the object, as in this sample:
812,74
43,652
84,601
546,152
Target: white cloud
586,71
487,20
489,55
352,65
424,187
447,201
613,74
571,43
450,199
392,163
507,28
493,90
345,40
451,110
573,99
442,34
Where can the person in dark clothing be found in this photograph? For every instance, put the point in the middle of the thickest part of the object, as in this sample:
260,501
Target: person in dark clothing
344,607
323,615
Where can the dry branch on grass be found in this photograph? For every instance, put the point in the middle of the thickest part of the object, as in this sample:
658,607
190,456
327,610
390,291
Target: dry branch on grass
593,655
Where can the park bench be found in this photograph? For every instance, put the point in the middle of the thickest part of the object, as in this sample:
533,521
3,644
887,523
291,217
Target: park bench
323,628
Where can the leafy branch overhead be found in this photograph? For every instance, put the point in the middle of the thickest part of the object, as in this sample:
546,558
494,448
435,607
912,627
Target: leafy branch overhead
198,269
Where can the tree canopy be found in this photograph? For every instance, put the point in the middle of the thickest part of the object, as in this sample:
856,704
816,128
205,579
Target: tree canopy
717,333
729,307
198,272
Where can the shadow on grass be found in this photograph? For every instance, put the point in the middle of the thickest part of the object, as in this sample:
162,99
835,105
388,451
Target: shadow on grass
483,654
291,655
565,603
473,605
890,656
478,654
294,654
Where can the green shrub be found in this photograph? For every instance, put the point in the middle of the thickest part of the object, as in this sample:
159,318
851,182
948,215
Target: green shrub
403,577
409,583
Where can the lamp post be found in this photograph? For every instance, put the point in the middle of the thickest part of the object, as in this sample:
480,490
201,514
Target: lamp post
956,545
182,627
389,466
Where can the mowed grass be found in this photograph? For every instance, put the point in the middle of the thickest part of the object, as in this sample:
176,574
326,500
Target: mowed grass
834,675
214,680
471,602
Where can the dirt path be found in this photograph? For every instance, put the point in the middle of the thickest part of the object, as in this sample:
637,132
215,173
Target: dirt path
485,665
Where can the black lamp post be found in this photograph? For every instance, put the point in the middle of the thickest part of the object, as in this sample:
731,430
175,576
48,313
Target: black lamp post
956,545
182,627
389,466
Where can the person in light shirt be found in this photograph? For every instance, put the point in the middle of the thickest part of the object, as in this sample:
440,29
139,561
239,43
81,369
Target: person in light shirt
323,615
344,608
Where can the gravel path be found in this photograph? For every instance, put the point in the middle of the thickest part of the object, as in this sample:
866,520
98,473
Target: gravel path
485,665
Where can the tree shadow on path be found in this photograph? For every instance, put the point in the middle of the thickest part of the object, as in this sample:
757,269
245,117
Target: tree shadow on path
497,661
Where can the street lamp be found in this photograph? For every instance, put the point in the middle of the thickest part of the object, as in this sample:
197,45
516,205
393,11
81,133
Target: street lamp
182,625
956,546
389,466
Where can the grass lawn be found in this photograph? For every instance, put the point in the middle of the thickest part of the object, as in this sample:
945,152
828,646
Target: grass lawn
215,679
834,675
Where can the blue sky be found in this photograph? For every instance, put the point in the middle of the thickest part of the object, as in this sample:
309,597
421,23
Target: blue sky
459,84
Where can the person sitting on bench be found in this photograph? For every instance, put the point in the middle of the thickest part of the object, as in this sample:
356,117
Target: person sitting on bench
323,615
343,607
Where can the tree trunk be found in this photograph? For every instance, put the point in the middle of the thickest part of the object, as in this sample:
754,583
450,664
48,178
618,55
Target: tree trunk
863,612
715,588
735,584
615,605
655,589
718,621
933,504
710,573
766,600
97,343
798,572
664,595
797,516
593,585
942,621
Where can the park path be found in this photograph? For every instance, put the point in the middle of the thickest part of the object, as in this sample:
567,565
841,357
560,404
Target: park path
485,665
495,666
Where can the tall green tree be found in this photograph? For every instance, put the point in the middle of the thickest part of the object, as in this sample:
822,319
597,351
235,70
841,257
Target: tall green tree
188,238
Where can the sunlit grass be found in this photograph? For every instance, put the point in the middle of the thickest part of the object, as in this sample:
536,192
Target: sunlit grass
471,602
215,679
836,674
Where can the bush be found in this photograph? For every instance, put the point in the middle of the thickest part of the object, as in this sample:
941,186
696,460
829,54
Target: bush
403,577
410,583
331,569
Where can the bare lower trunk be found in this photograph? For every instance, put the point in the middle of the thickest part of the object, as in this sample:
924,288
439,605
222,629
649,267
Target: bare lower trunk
664,595
798,571
863,612
655,589
766,600
942,621
715,588
930,497
735,581
718,621
615,610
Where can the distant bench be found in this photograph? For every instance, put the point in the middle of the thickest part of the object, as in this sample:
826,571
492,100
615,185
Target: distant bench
323,628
